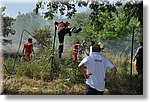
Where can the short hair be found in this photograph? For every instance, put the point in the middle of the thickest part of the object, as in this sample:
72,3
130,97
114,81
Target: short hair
67,23
96,48
29,39
92,42
141,43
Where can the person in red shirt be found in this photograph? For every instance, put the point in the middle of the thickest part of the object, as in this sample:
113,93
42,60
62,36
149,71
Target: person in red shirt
27,50
63,29
75,50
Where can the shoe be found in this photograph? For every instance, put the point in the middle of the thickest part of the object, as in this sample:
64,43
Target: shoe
78,30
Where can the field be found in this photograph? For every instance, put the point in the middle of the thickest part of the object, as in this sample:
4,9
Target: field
64,78
117,27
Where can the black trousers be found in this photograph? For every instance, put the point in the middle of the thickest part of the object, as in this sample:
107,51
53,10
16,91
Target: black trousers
92,91
61,34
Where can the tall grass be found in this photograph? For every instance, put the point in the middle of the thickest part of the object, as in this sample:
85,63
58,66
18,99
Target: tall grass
40,77
124,83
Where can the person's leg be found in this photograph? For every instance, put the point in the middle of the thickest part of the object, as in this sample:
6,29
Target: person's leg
72,30
88,90
67,30
78,30
74,56
61,35
92,91
30,56
141,67
27,56
96,92
60,50
75,30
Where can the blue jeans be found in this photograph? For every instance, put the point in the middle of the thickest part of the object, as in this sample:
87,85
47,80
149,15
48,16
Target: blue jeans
92,91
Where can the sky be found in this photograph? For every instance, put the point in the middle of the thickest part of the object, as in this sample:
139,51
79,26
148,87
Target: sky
23,6
15,6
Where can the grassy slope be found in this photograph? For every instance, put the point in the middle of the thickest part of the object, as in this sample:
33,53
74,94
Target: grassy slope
68,80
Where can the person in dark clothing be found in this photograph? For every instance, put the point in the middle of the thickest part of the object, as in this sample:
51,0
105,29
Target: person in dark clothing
139,59
63,29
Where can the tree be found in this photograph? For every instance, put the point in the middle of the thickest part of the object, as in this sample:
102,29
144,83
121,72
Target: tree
134,9
29,22
107,21
55,6
6,23
43,35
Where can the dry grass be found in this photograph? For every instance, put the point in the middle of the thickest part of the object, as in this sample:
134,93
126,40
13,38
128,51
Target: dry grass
28,86
67,80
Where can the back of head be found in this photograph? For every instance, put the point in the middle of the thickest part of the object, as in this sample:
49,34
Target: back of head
92,43
29,39
67,23
141,43
96,48
76,42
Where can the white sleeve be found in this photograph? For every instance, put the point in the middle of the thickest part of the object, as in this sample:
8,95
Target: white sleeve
84,61
137,51
90,50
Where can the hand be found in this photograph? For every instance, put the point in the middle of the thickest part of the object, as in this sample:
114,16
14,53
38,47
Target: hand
88,75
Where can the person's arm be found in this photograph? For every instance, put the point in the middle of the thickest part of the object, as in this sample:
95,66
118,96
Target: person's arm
136,54
87,53
83,71
56,23
112,74
134,58
32,49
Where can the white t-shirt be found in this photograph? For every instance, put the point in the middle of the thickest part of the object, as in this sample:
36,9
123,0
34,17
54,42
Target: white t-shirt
96,65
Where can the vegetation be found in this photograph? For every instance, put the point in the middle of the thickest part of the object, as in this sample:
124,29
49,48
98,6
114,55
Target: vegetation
6,22
110,24
37,77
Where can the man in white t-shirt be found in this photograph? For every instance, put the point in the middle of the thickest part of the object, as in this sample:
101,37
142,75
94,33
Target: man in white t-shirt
96,70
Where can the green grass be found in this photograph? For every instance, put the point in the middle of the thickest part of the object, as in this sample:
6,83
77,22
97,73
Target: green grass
64,78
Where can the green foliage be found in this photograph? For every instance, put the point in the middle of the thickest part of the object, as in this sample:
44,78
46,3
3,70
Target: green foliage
43,36
28,21
6,23
35,78
80,19
134,9
106,23
59,6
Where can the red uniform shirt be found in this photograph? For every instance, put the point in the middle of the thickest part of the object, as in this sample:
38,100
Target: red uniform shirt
75,47
28,47
61,24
